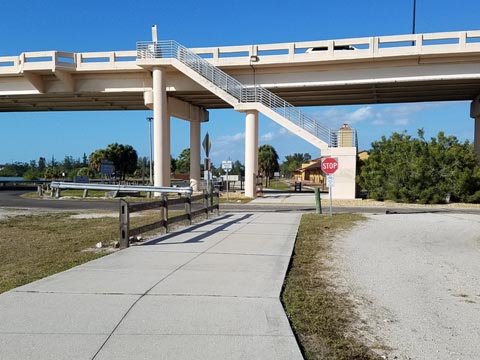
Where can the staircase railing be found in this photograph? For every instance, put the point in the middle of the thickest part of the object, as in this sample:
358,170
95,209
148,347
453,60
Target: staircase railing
244,94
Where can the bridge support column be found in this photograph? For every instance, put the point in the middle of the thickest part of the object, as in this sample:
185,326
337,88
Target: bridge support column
251,152
475,114
161,130
194,154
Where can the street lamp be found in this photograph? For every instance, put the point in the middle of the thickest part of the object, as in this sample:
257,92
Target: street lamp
414,15
149,119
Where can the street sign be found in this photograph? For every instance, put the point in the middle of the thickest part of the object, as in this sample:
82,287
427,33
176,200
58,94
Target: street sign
329,165
207,144
330,181
107,167
227,165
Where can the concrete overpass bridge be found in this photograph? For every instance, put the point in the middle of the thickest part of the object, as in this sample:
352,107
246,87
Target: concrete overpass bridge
269,78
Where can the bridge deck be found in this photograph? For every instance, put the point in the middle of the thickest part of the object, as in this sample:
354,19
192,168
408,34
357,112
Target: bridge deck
384,69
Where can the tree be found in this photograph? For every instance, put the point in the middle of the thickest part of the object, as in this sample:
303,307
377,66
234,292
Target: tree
84,160
96,157
173,164
237,168
124,158
405,169
293,162
267,162
86,171
183,162
41,164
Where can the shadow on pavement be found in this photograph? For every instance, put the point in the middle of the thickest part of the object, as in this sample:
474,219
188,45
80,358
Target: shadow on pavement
201,236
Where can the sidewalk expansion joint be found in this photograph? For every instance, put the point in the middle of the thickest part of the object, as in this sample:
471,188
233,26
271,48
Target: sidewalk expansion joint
76,293
216,296
223,226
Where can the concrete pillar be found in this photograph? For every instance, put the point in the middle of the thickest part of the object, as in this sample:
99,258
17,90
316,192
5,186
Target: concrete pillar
161,130
475,114
256,147
194,154
251,152
166,152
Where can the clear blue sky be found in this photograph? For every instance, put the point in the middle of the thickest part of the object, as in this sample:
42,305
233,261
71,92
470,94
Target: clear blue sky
93,25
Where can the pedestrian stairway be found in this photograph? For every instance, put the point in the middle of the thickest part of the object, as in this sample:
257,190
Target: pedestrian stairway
238,95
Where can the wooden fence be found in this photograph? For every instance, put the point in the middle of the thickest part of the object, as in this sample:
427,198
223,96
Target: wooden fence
128,208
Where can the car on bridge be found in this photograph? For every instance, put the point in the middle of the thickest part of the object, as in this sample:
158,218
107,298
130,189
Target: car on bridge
325,48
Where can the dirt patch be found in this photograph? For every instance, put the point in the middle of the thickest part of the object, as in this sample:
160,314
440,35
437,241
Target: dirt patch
414,279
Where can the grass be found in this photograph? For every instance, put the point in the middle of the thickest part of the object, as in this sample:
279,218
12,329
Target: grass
279,185
36,246
233,198
322,317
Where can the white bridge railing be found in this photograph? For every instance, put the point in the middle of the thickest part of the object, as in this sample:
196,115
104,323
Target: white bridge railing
244,94
377,46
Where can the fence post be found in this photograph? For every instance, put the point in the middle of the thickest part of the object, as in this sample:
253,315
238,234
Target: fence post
211,198
188,207
205,202
165,212
124,224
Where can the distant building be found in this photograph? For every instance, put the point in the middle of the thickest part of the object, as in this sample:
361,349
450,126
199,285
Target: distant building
346,137
311,172
363,155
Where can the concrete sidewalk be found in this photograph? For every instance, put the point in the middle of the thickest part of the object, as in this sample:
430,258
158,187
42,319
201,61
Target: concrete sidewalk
209,293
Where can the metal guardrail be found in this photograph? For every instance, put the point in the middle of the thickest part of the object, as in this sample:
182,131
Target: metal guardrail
126,209
58,186
171,49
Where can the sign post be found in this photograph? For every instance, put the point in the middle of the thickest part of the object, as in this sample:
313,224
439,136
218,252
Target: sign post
227,166
329,166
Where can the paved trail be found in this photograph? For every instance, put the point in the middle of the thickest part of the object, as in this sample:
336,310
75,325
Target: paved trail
208,293
417,278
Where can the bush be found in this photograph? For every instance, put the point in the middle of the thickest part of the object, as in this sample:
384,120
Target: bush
406,169
85,171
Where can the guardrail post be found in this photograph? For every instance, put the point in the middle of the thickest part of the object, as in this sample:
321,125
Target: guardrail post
188,207
124,225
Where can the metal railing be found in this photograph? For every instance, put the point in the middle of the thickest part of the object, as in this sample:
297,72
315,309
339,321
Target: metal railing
244,94
58,186
344,139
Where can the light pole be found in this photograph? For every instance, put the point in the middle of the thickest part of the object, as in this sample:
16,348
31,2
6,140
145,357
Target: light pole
149,119
414,15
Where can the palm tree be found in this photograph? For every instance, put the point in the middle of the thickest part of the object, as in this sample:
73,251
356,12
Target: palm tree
96,157
267,162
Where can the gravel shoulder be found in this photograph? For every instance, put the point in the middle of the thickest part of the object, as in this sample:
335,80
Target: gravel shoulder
415,280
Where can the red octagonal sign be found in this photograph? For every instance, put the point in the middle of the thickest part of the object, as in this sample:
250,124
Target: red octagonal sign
329,165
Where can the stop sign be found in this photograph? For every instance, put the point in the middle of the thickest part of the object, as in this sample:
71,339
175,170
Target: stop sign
329,165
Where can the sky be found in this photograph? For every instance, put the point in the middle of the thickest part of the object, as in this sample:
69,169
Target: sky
104,25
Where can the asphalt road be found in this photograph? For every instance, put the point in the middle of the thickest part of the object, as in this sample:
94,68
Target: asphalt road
13,199
415,279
